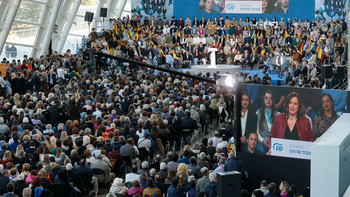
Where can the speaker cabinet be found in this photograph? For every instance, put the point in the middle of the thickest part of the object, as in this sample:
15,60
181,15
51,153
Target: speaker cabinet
229,184
103,12
326,72
89,17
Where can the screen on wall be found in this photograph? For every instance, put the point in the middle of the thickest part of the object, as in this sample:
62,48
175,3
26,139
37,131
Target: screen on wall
148,8
282,119
244,6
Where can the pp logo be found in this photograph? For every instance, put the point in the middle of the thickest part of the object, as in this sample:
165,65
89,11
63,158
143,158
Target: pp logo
230,7
277,147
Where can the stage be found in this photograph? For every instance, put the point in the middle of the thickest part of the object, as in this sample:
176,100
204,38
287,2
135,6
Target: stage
195,69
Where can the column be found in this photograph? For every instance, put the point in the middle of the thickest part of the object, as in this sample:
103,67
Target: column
11,14
121,7
61,20
50,27
97,18
111,10
68,25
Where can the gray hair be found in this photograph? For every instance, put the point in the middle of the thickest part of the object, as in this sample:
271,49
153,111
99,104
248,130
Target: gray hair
212,176
27,192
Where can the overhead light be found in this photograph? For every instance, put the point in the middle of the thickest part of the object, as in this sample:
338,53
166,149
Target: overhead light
226,80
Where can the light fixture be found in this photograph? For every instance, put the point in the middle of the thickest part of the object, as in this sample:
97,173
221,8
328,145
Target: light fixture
226,80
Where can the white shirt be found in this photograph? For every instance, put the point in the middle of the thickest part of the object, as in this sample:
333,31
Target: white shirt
203,40
60,73
130,177
244,122
97,113
196,40
144,143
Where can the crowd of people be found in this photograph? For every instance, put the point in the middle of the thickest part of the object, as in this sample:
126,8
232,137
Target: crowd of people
67,129
303,45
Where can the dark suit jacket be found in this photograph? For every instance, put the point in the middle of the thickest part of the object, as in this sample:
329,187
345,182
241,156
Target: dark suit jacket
10,195
53,76
3,184
234,165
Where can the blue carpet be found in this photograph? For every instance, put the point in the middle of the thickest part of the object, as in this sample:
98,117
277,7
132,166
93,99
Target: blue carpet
274,76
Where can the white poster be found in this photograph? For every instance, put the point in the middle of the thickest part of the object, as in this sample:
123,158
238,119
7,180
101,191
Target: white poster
291,148
247,7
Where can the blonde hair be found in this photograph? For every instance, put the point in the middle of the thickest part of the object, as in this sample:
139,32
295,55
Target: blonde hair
182,169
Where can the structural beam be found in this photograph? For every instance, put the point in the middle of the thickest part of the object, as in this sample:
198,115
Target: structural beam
11,14
3,10
68,25
42,27
61,20
121,7
50,27
154,67
97,18
111,10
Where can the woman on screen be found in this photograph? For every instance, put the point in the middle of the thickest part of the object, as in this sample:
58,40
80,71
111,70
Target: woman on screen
265,117
326,117
248,117
293,124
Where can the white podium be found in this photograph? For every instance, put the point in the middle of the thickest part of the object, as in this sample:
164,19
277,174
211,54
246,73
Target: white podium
212,57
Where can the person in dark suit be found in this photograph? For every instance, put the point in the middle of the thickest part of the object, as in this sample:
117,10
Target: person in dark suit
19,185
176,39
283,8
10,189
233,164
4,180
272,189
87,176
187,122
36,81
187,59
51,79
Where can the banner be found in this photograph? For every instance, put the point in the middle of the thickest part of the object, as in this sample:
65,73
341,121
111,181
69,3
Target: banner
331,10
244,6
291,148
252,7
160,8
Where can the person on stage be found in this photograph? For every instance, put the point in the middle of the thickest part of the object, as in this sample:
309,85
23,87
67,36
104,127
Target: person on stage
326,117
293,124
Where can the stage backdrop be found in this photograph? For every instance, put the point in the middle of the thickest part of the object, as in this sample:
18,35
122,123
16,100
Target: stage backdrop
304,9
246,8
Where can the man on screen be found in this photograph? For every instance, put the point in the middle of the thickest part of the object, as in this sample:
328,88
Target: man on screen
206,6
283,8
252,142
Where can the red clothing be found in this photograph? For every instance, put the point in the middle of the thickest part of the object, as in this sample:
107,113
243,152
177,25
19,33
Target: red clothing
303,126
117,156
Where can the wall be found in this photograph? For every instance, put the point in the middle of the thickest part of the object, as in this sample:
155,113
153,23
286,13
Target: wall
276,169
304,9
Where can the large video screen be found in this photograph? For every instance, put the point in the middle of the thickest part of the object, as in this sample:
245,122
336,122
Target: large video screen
244,6
291,114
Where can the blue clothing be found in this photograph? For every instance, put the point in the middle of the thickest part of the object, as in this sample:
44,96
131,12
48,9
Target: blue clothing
234,165
13,146
175,192
192,193
211,189
184,160
270,195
